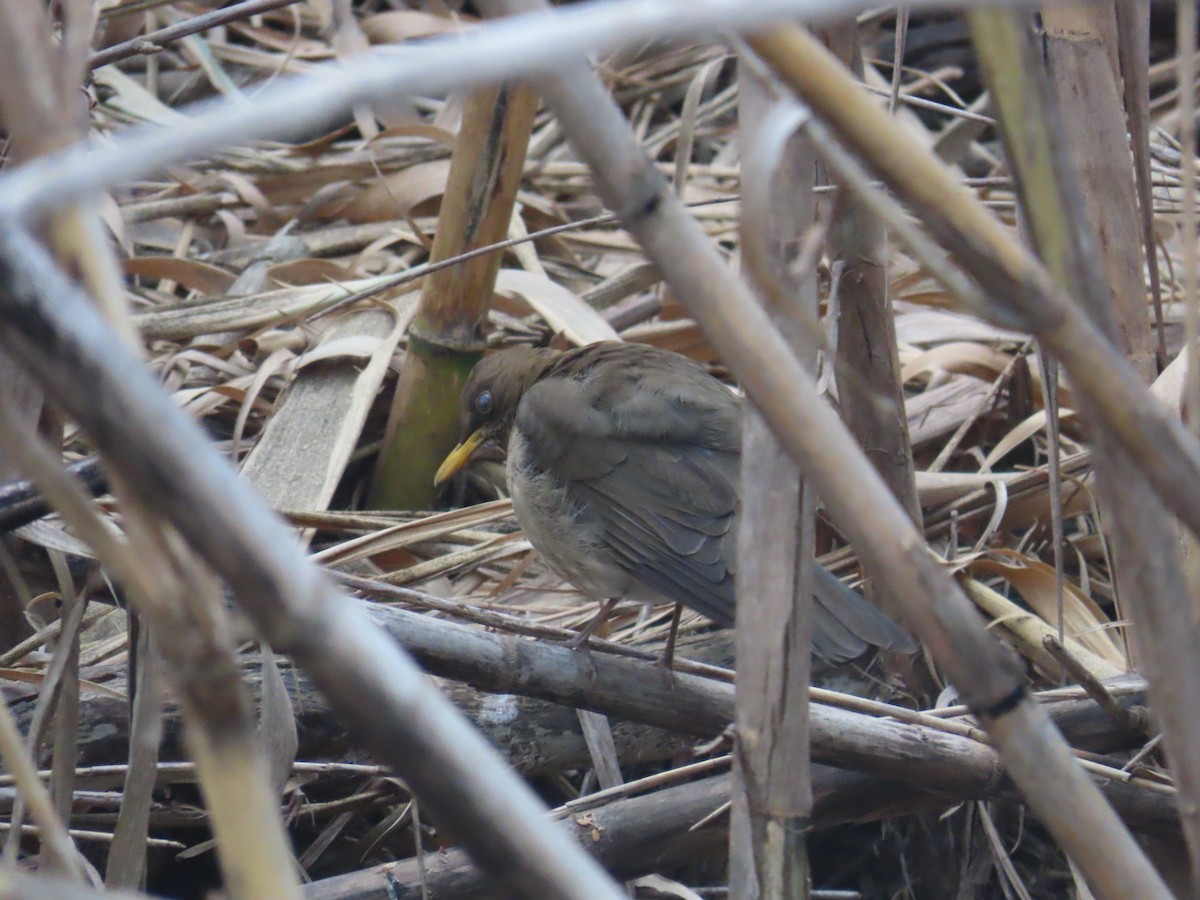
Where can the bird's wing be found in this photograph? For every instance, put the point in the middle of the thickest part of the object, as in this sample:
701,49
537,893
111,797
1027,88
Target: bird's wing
652,450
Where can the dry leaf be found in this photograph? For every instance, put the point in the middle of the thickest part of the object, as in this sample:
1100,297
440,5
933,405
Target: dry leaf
1035,582
563,310
194,275
401,25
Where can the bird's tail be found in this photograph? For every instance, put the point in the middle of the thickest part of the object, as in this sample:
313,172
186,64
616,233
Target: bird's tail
846,624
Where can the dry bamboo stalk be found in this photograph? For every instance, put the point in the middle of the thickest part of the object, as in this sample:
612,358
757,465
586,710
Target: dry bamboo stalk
1185,29
29,96
867,361
184,605
697,708
1019,291
253,848
167,460
632,837
772,799
1080,49
1133,46
42,96
195,639
1143,533
933,607
170,590
703,707
870,394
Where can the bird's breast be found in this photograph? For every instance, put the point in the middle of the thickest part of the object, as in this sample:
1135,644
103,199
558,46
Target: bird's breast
559,526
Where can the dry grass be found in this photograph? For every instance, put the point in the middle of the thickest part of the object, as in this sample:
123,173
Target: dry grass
238,268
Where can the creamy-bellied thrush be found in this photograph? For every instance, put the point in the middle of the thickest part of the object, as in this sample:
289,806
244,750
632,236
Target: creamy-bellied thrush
623,466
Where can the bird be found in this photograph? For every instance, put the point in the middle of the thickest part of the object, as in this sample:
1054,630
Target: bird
623,465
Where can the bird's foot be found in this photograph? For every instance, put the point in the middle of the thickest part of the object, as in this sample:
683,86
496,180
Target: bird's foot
580,641
667,660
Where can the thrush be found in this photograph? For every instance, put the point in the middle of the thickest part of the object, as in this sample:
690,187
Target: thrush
623,463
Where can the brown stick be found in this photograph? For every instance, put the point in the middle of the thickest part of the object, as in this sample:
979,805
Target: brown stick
630,837
643,692
954,763
1131,720
772,801
868,362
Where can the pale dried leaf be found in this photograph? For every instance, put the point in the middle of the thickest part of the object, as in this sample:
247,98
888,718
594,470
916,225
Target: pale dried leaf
1083,620
564,310
397,26
194,275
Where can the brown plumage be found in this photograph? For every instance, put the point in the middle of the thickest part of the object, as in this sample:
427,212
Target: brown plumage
623,465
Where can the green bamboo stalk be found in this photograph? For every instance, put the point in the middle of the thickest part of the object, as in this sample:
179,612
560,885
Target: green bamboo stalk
447,335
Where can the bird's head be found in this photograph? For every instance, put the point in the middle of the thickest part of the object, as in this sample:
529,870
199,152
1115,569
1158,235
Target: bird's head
489,402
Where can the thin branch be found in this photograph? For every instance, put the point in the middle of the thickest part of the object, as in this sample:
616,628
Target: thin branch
1132,720
153,41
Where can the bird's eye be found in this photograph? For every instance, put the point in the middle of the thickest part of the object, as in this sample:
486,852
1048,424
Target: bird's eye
483,402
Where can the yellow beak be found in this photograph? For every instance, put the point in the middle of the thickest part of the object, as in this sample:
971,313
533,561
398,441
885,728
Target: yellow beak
458,457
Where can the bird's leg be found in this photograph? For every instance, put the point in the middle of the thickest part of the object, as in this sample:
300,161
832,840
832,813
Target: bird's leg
581,639
667,660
